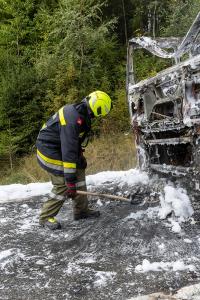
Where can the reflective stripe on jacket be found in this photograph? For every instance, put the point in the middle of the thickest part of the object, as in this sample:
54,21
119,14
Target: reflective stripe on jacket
59,140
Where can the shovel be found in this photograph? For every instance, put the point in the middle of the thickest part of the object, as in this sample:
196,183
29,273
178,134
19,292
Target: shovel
111,197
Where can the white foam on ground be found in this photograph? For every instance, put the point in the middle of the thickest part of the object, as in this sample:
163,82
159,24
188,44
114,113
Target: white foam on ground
171,200
130,177
9,255
87,258
73,268
20,191
103,278
28,224
151,212
5,254
178,265
175,200
175,226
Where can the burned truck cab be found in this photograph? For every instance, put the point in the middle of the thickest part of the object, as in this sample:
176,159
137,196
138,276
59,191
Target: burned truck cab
165,108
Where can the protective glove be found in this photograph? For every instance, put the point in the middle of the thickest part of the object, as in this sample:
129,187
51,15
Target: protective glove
71,189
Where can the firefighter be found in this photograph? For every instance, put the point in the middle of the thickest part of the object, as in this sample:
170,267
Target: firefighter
60,152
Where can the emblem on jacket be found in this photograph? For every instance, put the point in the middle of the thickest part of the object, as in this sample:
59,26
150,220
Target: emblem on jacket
80,121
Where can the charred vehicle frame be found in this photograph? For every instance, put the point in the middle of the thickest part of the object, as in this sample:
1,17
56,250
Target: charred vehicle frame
165,109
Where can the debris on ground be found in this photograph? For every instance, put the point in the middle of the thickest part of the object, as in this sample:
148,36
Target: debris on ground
129,251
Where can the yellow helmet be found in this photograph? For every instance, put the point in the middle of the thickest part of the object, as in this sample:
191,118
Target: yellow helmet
99,103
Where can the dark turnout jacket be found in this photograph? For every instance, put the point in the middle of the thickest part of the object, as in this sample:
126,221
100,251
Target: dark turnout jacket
59,141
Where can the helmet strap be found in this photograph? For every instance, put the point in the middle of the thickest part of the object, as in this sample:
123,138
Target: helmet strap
90,112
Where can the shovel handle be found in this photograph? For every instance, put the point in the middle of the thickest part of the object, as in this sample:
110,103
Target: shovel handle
112,197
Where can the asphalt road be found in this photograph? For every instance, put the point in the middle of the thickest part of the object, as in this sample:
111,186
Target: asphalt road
91,259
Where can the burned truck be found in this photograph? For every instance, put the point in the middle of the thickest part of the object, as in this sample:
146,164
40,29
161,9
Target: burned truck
165,108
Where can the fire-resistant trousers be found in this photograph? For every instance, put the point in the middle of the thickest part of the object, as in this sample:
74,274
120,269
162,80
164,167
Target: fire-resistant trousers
58,195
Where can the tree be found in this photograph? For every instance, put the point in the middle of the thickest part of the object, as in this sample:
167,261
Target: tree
55,52
77,52
18,79
182,14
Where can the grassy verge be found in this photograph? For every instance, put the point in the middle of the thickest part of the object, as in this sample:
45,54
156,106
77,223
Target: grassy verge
115,152
109,152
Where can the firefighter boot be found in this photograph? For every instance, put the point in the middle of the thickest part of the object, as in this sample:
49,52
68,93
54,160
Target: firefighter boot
89,213
50,223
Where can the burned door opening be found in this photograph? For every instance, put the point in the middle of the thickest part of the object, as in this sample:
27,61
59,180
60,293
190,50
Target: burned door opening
165,108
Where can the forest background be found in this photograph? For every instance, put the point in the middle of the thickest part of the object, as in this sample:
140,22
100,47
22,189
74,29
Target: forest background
54,52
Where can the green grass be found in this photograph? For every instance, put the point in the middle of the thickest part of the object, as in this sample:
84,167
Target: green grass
109,152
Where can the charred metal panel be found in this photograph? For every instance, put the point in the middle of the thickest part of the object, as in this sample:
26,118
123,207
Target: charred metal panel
156,46
165,109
